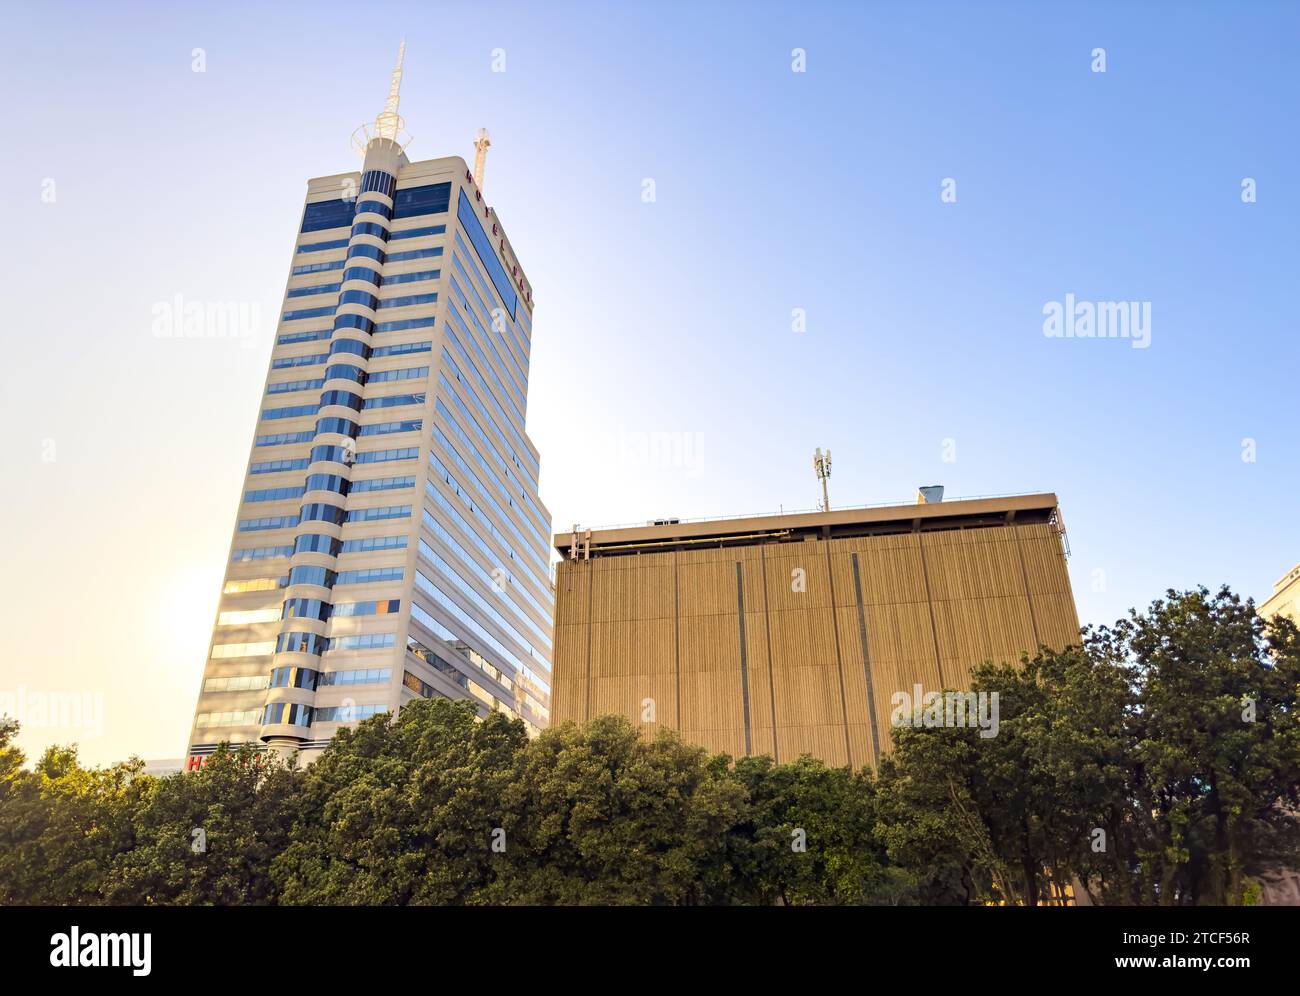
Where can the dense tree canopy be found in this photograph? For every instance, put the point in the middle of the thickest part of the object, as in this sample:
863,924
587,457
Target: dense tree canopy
1156,763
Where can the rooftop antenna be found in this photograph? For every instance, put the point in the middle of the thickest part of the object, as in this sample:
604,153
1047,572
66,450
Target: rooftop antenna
389,125
481,143
822,464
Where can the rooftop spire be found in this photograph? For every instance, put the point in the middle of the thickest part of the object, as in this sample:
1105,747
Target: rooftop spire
389,122
388,125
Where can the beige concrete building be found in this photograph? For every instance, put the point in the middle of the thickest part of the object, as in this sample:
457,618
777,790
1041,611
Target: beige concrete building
792,634
390,542
1285,600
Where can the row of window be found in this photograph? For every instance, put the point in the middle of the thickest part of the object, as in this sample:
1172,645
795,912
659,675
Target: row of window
528,545
402,324
314,289
238,587
486,253
283,438
301,313
474,282
509,485
292,337
289,386
520,449
240,683
260,553
360,676
453,514
493,581
501,352
469,591
477,283
291,713
315,644
298,361
401,349
456,643
272,494
410,299
383,484
278,466
443,534
267,522
246,617
402,257
387,428
348,713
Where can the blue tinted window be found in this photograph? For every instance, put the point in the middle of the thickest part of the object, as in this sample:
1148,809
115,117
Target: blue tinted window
415,233
317,543
345,398
280,438
322,577
328,482
292,412
375,543
369,204
403,324
397,257
343,426
326,214
278,466
336,264
379,181
322,512
297,361
293,337
354,322
344,371
321,246
352,346
406,278
486,253
363,298
384,428
293,316
368,252
272,494
362,273
394,401
412,201
312,290
401,348
300,643
402,302
289,386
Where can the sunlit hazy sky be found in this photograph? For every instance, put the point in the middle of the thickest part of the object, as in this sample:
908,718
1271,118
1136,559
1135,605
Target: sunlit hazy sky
774,191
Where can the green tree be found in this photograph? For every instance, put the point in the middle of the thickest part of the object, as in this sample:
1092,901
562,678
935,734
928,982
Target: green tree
208,837
598,815
812,835
60,824
1214,747
402,811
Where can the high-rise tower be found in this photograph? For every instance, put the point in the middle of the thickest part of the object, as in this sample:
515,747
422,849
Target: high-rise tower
390,542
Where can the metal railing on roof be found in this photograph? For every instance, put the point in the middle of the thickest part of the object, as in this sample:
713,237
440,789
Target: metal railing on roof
799,511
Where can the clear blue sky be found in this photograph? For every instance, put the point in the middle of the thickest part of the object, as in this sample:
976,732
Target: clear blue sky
774,191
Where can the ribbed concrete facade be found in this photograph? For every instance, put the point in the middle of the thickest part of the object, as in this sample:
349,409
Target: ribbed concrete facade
790,634
390,542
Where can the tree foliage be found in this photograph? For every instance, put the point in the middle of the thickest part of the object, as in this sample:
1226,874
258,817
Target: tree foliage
1156,763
